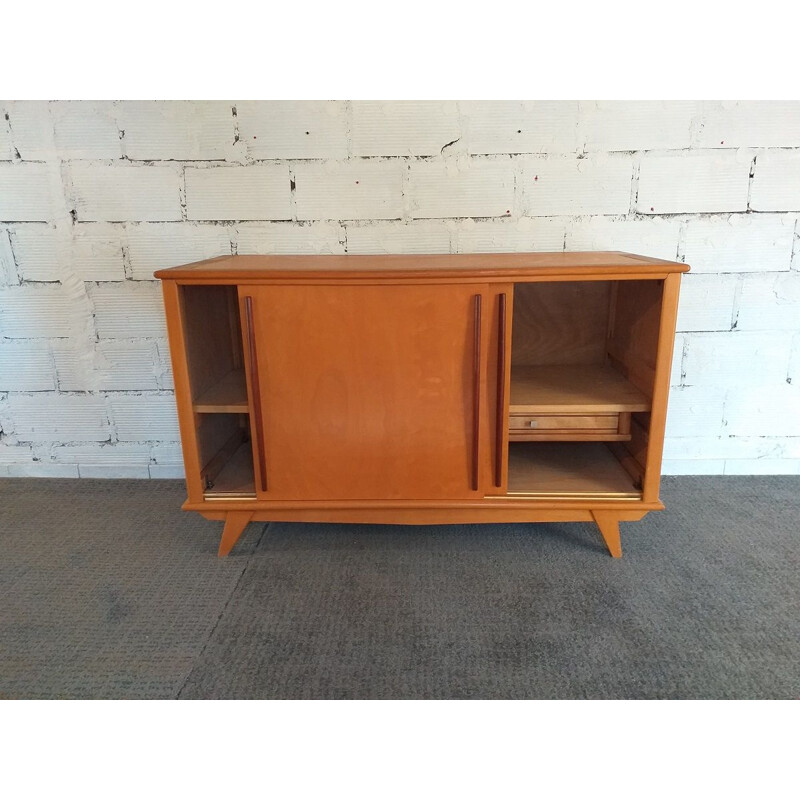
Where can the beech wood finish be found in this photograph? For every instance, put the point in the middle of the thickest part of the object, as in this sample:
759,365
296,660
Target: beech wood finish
423,389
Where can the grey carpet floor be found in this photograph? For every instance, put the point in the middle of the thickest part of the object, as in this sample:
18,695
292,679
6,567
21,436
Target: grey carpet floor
108,590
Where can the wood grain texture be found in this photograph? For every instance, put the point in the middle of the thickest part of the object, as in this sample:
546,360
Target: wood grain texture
236,476
227,395
559,323
254,391
634,332
235,523
570,388
501,368
663,367
567,469
210,351
183,390
608,523
459,266
368,391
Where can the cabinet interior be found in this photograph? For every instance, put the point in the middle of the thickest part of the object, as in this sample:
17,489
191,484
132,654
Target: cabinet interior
214,356
583,358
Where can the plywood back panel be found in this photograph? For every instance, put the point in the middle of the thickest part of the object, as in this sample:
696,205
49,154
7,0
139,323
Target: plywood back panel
212,334
560,323
634,331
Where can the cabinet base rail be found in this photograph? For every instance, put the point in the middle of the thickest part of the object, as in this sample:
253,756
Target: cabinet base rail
606,519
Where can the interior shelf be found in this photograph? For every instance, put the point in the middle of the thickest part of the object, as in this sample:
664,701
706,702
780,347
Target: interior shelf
573,388
236,478
567,470
227,396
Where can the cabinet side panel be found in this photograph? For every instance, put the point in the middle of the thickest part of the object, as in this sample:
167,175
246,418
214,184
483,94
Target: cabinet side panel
633,348
183,392
658,414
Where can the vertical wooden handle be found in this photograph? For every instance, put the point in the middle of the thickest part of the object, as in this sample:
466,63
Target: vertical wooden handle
501,393
476,392
256,388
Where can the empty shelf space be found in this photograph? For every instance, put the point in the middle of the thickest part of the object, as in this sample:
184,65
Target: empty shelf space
227,396
567,470
236,477
572,389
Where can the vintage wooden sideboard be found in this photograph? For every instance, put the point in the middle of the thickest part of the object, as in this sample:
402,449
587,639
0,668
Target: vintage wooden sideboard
517,387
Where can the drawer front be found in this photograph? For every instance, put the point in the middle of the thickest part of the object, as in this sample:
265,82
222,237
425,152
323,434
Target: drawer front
564,422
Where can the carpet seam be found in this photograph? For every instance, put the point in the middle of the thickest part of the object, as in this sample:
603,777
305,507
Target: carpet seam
222,612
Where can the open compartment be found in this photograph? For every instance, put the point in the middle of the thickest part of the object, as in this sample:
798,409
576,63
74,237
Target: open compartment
213,340
226,455
583,358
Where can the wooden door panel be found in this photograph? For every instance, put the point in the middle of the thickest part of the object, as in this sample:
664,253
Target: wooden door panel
367,392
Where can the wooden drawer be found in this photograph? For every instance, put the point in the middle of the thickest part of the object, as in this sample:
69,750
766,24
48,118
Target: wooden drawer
569,427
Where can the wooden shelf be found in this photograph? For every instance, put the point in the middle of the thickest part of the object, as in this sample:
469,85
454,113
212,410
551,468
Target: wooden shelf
567,470
236,478
227,396
573,388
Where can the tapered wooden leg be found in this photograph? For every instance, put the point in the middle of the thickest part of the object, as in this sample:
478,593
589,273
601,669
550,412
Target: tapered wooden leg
608,522
235,523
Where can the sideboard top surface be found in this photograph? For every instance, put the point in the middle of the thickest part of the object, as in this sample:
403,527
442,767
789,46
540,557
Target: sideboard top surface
453,266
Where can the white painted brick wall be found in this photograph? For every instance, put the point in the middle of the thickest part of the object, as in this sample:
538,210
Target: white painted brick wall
519,127
656,237
166,460
695,411
94,460
25,193
641,125
85,378
116,365
403,128
285,129
125,192
526,234
45,417
480,189
31,311
174,129
349,190
763,411
128,310
90,252
770,302
676,372
153,246
748,124
716,359
707,302
288,238
776,183
6,144
145,417
8,267
228,193
597,184
26,366
739,243
688,182
86,130
31,129
398,237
